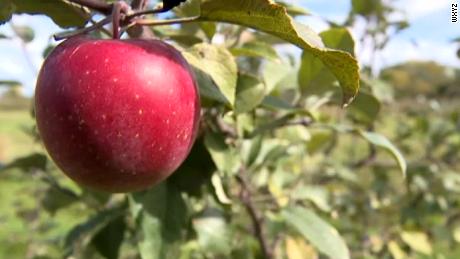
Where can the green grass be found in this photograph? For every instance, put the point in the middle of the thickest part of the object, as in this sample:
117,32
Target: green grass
15,140
21,218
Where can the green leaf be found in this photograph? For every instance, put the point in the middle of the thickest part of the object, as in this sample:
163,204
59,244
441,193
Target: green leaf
272,125
61,12
57,197
266,16
339,38
383,142
208,89
82,234
256,49
249,93
254,151
30,162
159,230
319,140
364,108
294,10
275,103
223,156
6,11
195,172
213,233
209,28
316,194
219,64
318,232
365,7
314,76
274,73
109,239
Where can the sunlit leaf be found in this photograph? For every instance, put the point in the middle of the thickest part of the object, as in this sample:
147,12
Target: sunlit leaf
314,75
219,64
213,233
272,18
30,162
383,142
297,248
219,190
317,231
396,251
249,93
256,49
418,241
364,108
158,230
222,155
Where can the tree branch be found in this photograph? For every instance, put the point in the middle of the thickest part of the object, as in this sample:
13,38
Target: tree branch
166,22
256,218
139,31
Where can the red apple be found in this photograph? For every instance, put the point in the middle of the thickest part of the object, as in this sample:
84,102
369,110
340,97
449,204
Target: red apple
117,115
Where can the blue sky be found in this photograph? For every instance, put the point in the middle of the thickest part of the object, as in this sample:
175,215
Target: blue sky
428,37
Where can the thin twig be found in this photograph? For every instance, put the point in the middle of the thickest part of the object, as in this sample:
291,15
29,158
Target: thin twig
138,31
97,25
144,12
256,218
150,22
102,29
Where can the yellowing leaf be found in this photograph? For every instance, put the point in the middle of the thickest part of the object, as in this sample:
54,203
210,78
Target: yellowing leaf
269,17
297,248
318,232
396,251
418,241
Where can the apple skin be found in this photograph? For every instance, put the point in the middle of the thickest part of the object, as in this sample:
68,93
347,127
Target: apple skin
117,115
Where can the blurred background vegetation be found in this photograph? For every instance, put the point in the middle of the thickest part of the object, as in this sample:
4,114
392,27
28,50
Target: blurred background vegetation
358,190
